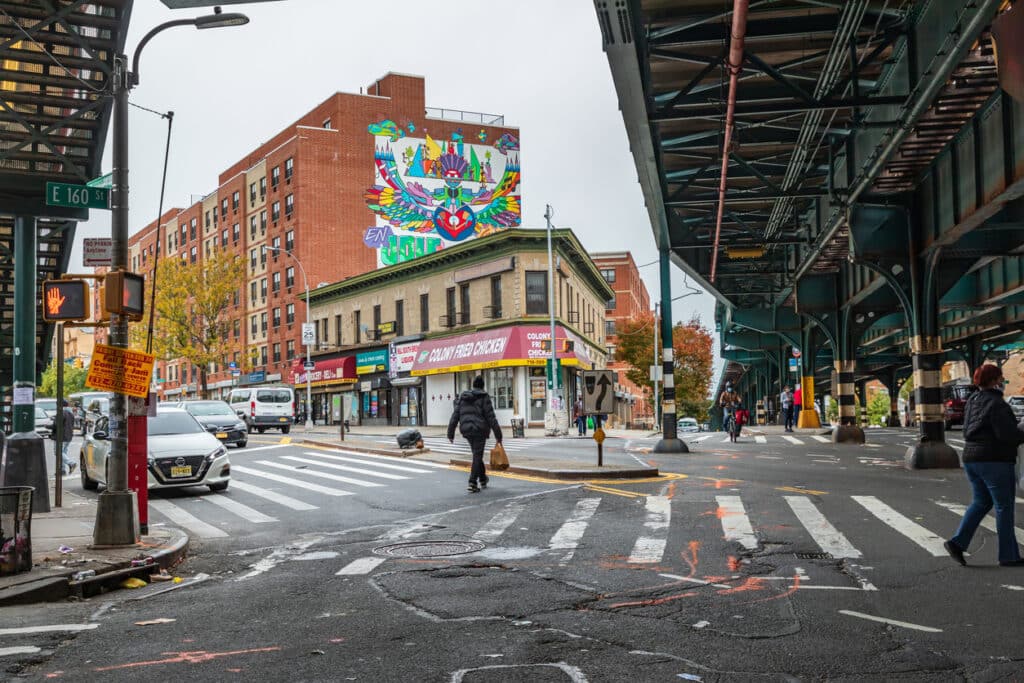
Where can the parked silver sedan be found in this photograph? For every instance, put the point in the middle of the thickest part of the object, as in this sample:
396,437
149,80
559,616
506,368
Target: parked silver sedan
181,453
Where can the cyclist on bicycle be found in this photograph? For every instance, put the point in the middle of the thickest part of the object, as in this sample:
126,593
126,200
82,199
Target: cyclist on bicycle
728,402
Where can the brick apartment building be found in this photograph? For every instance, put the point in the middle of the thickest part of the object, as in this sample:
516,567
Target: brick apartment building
334,189
630,302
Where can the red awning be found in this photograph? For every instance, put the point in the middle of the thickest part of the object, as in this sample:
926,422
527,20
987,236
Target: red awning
327,371
520,345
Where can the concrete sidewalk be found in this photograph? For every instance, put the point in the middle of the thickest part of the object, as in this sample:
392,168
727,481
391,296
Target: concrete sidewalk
78,569
332,432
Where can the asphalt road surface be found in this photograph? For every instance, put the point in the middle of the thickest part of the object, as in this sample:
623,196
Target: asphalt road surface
771,559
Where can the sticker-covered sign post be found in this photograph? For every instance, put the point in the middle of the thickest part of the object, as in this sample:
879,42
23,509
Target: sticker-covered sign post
598,399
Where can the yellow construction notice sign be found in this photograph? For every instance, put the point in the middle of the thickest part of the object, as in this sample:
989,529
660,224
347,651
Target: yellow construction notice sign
120,370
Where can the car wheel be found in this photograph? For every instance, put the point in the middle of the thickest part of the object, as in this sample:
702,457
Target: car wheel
248,428
241,444
261,429
285,430
87,483
948,425
223,486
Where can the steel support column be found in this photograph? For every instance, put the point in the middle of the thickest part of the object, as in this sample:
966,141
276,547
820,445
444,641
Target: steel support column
669,443
808,418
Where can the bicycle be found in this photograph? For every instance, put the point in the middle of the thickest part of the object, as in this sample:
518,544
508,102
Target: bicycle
730,425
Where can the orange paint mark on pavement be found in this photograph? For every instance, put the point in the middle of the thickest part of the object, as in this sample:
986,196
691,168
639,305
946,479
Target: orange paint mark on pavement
55,674
671,492
752,583
197,657
653,601
734,564
721,467
792,589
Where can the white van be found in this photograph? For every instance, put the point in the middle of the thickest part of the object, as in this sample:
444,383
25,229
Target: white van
263,408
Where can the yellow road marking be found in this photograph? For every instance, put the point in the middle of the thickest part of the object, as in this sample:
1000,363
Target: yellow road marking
285,440
792,489
615,492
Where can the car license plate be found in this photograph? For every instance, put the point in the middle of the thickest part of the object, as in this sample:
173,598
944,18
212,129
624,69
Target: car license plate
181,471
222,435
283,419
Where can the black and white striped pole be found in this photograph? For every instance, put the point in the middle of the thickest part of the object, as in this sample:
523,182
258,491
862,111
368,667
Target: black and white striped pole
931,449
670,443
847,431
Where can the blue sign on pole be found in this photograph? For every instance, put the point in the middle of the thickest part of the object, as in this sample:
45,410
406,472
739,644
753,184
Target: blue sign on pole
257,377
794,365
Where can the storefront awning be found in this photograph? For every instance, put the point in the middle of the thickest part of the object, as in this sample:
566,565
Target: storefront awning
327,371
518,345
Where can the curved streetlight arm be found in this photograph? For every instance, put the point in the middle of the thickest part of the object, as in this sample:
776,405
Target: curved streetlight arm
215,20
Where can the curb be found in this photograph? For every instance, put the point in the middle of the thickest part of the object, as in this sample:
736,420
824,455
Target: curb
60,586
395,453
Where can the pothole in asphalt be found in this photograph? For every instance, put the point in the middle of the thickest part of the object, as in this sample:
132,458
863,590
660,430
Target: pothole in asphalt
417,549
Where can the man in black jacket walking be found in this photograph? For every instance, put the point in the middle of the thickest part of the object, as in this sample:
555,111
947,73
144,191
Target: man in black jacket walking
474,414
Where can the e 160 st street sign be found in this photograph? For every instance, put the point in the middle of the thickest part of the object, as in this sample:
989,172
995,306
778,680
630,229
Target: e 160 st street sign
77,196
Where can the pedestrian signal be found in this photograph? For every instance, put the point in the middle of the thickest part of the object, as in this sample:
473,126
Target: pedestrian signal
124,294
65,300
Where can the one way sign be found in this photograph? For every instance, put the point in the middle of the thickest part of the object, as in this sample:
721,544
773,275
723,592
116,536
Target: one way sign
598,392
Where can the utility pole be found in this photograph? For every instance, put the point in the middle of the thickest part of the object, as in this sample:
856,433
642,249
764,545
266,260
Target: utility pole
548,214
309,346
669,443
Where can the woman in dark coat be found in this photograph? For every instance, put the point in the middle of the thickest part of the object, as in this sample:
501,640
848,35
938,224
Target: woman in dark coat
992,436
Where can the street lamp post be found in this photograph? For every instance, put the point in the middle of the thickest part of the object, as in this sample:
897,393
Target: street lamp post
309,386
116,516
548,214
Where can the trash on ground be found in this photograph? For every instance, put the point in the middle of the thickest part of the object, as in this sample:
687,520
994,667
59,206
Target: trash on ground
133,583
162,576
177,579
153,622
79,576
317,652
66,549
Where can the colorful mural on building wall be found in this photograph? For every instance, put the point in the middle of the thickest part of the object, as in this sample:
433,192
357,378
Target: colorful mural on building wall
429,193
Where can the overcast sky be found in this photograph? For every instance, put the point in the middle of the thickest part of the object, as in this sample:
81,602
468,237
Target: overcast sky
537,62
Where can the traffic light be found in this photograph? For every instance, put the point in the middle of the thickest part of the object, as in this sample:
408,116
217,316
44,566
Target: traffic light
124,294
65,300
545,344
568,345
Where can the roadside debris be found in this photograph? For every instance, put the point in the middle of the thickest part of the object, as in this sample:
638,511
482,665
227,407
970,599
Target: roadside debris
154,622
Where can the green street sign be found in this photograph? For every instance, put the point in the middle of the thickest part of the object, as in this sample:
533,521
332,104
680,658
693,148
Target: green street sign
77,196
556,373
104,181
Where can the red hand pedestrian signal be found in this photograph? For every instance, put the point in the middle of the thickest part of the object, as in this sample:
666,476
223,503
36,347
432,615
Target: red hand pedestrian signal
65,300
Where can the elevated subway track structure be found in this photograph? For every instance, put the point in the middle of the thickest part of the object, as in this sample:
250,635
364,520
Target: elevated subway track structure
845,178
55,109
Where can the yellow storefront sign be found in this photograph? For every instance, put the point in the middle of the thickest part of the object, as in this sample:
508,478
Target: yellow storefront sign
120,370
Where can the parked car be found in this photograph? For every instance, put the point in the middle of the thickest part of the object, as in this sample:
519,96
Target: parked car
1017,406
954,396
264,407
687,425
88,406
181,453
219,419
48,404
44,422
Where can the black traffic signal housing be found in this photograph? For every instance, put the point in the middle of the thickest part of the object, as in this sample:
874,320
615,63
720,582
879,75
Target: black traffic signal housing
65,300
568,345
124,294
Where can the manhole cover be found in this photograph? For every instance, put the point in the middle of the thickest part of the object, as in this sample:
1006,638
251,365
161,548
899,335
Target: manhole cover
813,556
429,548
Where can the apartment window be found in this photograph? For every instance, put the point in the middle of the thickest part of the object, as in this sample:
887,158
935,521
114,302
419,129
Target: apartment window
237,297
277,353
289,205
609,328
289,240
224,208
207,219
207,246
424,312
289,313
237,325
252,324
192,255
608,274
234,200
376,319
276,286
236,233
263,221
610,304
224,237
184,233
275,212
337,330
252,260
289,168
192,228
323,330
277,317
263,186
263,355
327,124
252,227
263,322
275,177
263,288
289,277
449,305
263,257
356,322
252,193
496,296
536,292
290,349
252,291
399,317
276,244
464,303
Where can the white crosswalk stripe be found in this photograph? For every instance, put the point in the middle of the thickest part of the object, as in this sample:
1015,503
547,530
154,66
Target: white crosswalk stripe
703,438
988,522
344,468
821,530
822,439
243,511
651,547
321,475
364,565
735,523
915,532
793,440
761,439
289,480
387,466
186,519
568,536
497,525
272,496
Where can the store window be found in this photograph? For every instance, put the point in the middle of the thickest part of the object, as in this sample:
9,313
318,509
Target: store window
498,383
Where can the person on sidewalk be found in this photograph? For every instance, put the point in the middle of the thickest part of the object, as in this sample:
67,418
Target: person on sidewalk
474,414
786,401
991,438
68,427
797,405
579,417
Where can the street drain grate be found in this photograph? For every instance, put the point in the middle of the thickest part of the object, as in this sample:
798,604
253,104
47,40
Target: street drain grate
813,556
429,548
